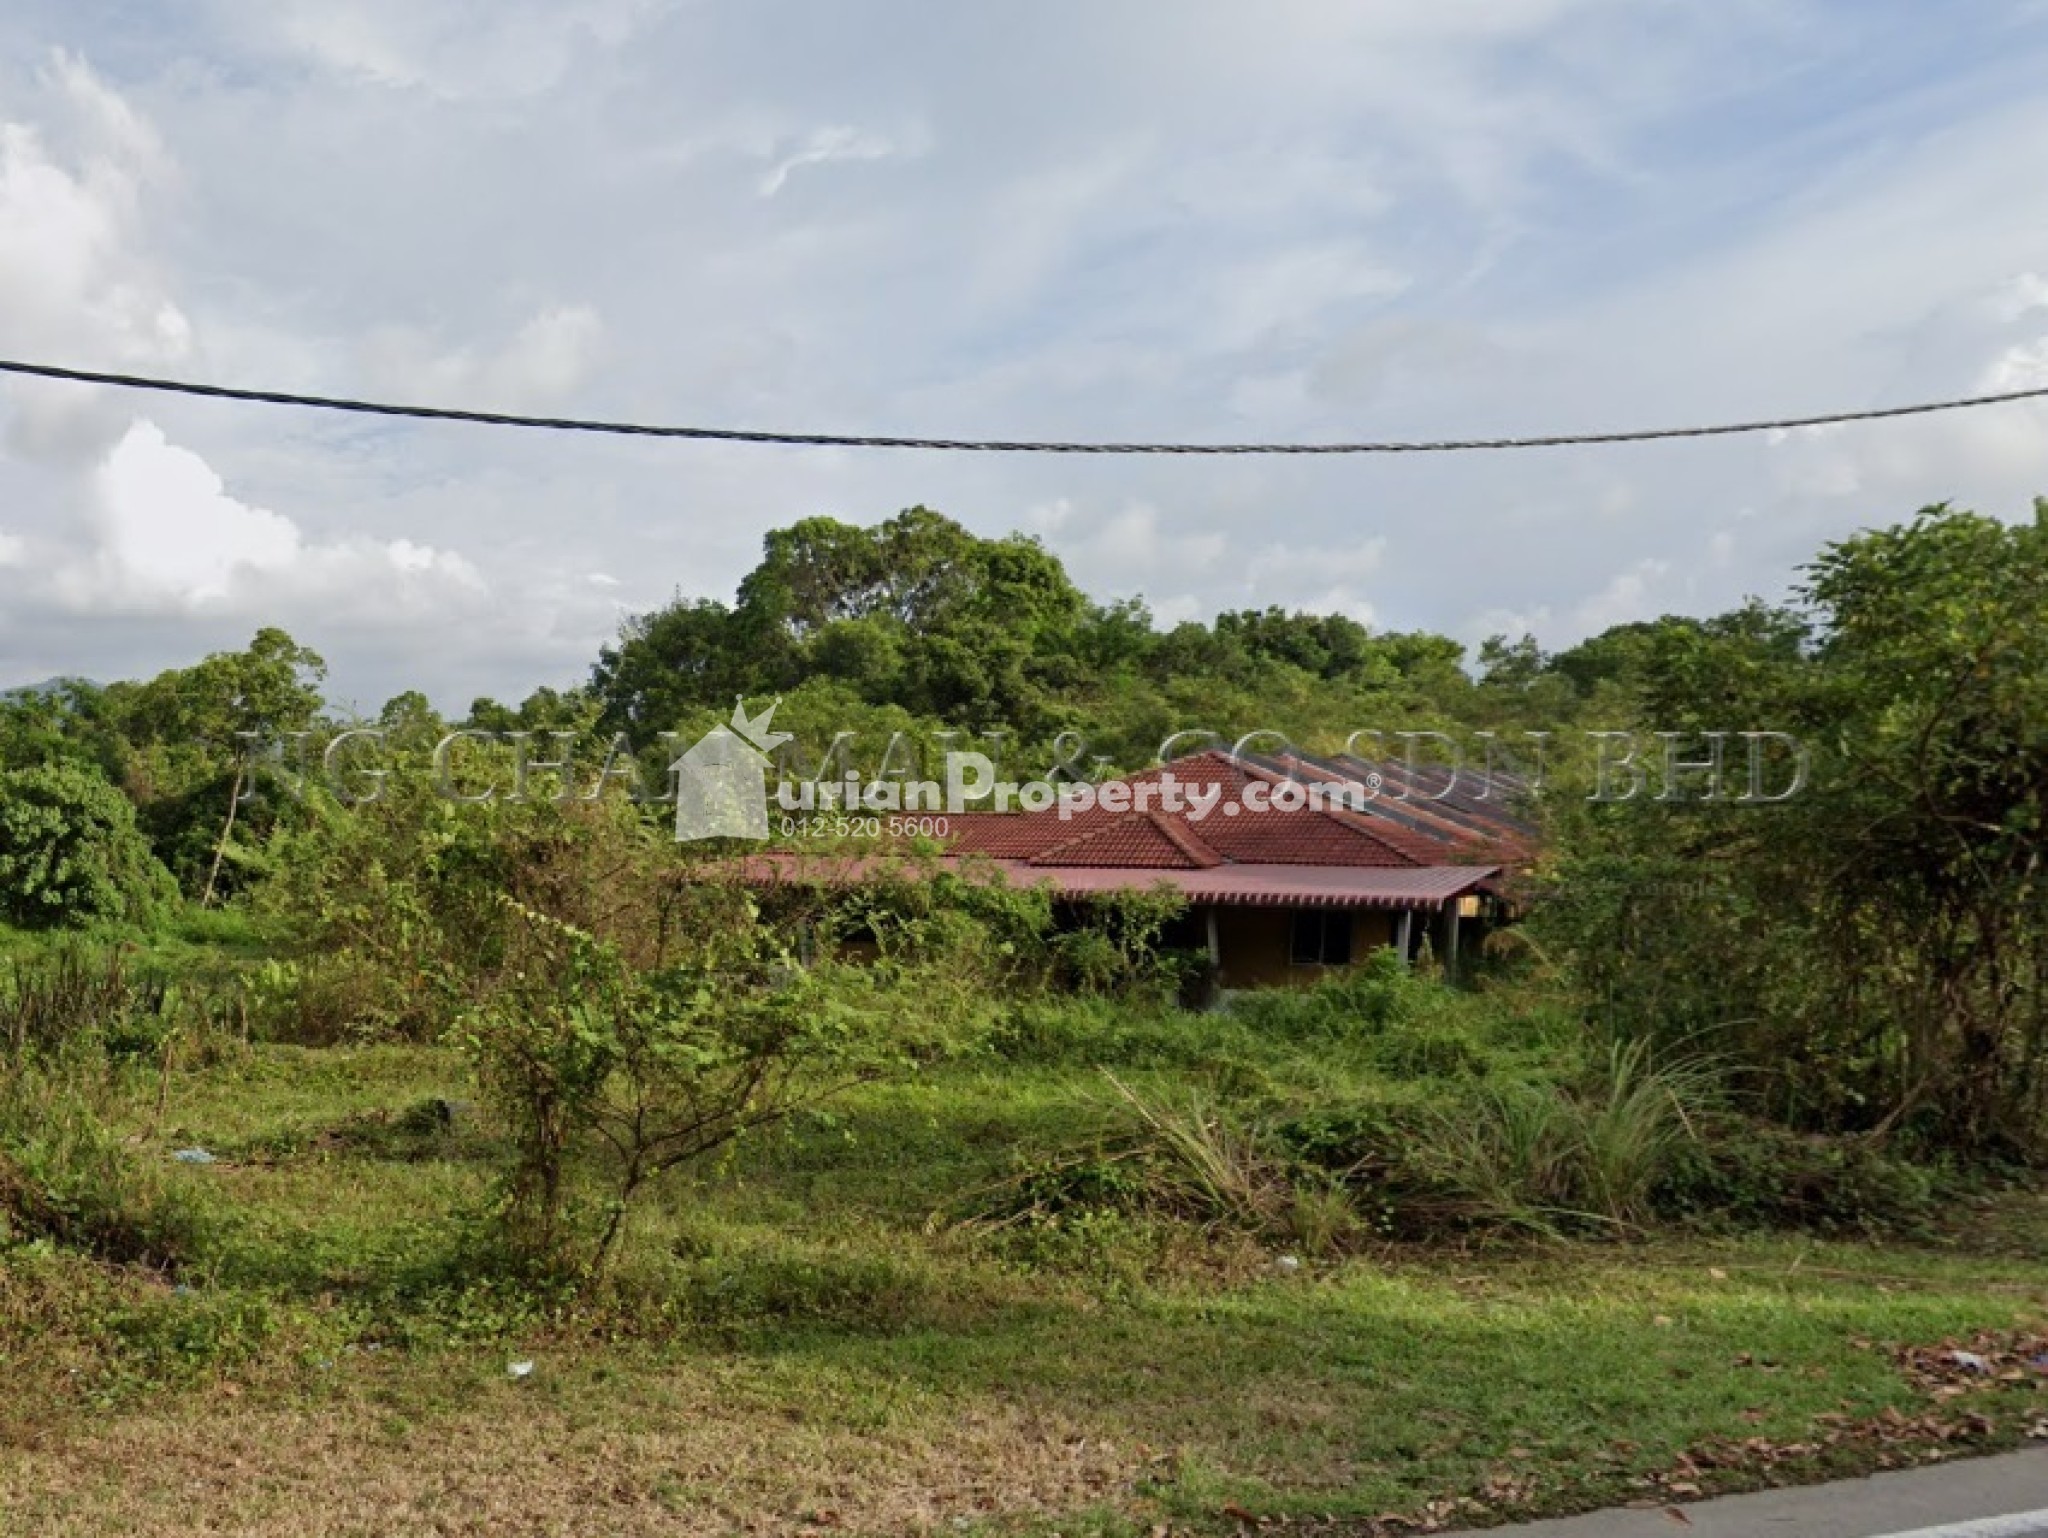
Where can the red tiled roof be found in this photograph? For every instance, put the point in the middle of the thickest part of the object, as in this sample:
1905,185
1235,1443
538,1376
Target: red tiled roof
1355,834
1430,810
1143,840
1375,842
1274,837
1001,835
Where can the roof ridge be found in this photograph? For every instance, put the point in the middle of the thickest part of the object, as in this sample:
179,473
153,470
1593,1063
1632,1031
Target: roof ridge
1082,836
1186,840
1438,822
1117,821
1358,823
1380,832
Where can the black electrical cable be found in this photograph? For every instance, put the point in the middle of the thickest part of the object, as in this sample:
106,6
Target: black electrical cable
992,445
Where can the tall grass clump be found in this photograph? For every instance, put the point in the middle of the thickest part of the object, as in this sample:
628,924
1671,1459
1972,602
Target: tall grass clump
1542,1156
1062,1031
1403,1023
53,1001
1183,1158
1204,1165
74,1025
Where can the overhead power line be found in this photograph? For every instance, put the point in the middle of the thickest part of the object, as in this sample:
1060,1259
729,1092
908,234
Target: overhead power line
992,445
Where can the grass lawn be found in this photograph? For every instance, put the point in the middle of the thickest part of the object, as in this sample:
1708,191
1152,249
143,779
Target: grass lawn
797,1347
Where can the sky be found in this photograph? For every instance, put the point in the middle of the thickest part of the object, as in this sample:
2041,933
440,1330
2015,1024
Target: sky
1085,219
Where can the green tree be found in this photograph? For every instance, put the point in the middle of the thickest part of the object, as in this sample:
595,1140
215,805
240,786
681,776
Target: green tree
1875,948
70,854
67,719
208,723
1934,652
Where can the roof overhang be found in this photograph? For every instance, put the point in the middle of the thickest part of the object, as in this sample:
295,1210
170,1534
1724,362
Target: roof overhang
1277,886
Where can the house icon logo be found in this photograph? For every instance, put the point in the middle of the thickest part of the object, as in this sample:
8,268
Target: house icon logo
722,780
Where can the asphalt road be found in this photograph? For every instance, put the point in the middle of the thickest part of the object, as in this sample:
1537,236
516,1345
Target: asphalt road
2002,1497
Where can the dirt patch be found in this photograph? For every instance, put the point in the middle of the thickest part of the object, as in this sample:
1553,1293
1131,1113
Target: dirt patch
698,1466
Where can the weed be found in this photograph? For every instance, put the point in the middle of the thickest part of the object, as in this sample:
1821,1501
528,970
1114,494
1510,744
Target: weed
67,1177
1536,1156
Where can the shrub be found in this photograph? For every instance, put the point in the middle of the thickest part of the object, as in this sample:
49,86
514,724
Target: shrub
1752,1174
1358,1001
1114,948
654,1070
1115,1247
1093,1032
1206,1166
778,1285
70,854
1429,1049
324,1000
1189,1160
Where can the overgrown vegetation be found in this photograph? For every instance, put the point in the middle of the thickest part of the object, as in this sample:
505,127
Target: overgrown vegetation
298,1071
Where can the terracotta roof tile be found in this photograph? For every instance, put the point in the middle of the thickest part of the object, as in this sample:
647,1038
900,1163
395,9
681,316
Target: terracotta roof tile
1137,840
1364,831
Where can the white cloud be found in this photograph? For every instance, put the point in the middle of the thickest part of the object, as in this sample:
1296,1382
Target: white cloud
1627,596
1133,548
76,282
1990,339
169,538
1340,600
1289,290
823,146
1209,221
170,530
13,549
1178,610
1338,560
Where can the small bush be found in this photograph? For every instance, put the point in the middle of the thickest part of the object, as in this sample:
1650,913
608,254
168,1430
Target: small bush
1115,1248
1340,1138
1090,1181
1429,1049
326,1000
1100,1033
1358,1001
1189,1161
1751,1174
176,1338
786,1286
1115,951
1205,1166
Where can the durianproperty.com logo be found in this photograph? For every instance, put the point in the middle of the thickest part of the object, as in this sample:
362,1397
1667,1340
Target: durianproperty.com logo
745,780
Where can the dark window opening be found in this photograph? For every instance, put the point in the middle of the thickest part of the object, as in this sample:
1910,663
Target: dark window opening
1322,938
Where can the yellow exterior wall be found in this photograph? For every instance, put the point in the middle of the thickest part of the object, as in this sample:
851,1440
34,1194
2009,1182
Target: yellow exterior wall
1256,943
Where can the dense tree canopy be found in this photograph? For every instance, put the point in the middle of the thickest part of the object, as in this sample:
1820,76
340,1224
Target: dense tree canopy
918,615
